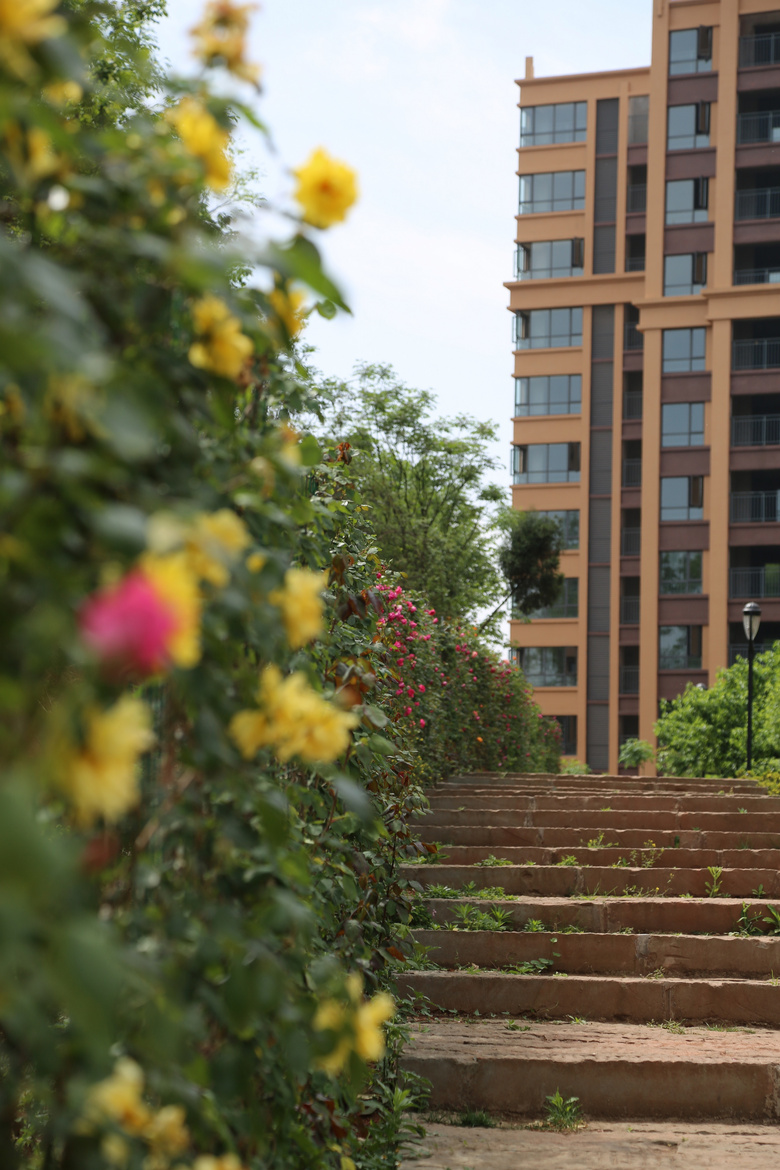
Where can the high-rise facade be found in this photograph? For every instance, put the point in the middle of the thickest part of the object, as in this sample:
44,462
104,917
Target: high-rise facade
646,318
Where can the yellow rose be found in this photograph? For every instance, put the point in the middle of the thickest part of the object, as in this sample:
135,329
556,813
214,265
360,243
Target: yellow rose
326,189
101,778
26,22
301,604
221,38
361,1019
167,1132
215,540
287,304
173,580
221,346
204,139
226,1162
117,1099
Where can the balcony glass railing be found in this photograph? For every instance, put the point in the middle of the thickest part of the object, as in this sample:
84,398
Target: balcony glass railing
740,650
637,129
762,582
763,203
762,353
551,678
763,49
632,404
636,199
755,430
629,680
629,611
755,507
683,662
762,127
635,264
630,541
632,473
632,338
757,276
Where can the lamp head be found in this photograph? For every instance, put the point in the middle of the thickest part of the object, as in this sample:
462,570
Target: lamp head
751,620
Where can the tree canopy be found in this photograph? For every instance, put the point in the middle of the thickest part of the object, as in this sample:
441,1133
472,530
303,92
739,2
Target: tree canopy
529,558
425,477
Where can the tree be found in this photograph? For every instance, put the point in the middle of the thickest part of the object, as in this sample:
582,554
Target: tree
704,732
529,558
425,478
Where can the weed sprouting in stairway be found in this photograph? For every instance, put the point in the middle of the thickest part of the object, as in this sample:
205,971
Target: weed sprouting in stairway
562,1113
494,861
534,926
476,1119
713,888
600,843
513,1026
772,920
472,918
569,859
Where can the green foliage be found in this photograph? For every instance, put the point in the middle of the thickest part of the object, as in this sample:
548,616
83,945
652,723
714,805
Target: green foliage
492,861
424,476
704,732
529,559
635,752
466,917
562,1113
575,768
476,1119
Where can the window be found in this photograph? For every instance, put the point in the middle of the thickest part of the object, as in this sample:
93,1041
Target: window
554,191
680,572
687,200
688,127
569,522
683,350
690,51
567,605
638,115
682,424
549,666
546,463
547,258
568,726
682,497
685,274
548,328
548,394
565,122
679,648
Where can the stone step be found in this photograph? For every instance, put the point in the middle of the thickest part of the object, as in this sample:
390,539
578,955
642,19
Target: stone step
597,783
610,915
616,1070
597,997
593,821
562,881
498,836
607,954
688,858
617,803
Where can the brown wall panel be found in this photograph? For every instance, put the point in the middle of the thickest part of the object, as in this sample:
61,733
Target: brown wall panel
631,498
673,682
686,388
747,535
632,429
686,461
757,232
689,237
628,705
758,154
632,359
683,611
770,610
629,635
687,534
636,225
754,459
690,164
755,382
768,77
702,87
637,156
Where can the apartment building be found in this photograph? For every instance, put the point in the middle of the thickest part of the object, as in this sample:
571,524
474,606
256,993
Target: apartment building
646,327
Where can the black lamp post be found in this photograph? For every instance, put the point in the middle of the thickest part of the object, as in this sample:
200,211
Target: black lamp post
751,620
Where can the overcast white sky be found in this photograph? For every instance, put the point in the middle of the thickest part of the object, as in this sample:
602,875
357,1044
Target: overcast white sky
419,97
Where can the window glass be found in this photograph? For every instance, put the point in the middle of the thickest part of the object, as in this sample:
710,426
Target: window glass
553,191
549,666
567,605
549,258
546,463
547,328
679,647
686,201
569,522
681,572
682,424
564,122
684,275
690,51
687,128
548,394
683,350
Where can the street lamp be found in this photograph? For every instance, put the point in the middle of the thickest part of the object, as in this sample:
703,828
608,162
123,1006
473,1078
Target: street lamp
751,620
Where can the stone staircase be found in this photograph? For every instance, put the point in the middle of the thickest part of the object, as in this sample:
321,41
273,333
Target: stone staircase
624,970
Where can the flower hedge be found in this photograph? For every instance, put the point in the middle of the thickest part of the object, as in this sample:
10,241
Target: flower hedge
208,783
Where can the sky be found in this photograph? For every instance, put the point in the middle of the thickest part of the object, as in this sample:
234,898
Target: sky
419,97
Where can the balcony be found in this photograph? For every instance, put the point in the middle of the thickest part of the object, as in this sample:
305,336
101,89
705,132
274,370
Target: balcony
629,612
681,662
637,129
760,582
632,404
636,199
635,264
630,542
629,680
551,678
761,203
632,473
632,338
760,353
762,49
740,650
755,430
757,276
755,507
761,127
